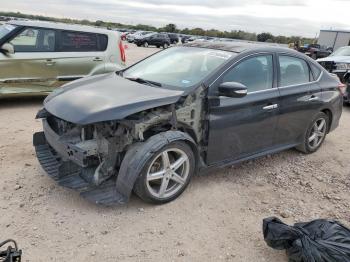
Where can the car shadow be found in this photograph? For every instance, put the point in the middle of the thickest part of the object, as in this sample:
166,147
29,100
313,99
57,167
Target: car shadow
214,175
21,102
346,108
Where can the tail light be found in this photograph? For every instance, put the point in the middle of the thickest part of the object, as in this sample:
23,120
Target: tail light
122,52
342,88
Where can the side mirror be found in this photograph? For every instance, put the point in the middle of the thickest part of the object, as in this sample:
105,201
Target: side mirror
8,49
233,89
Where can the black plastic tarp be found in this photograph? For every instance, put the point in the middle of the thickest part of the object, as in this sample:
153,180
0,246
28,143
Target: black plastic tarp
316,241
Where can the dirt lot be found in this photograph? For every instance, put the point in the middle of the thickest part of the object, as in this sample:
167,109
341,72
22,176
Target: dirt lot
218,218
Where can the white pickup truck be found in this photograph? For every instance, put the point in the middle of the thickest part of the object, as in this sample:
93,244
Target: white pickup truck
339,63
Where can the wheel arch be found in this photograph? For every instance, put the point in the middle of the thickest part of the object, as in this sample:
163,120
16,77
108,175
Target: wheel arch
329,113
139,153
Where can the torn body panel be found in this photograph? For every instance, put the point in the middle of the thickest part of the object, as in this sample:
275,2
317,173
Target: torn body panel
94,153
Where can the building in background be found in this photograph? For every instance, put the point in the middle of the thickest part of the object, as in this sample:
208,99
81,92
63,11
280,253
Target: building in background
334,38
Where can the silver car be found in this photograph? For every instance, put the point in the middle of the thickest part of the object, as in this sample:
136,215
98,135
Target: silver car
36,57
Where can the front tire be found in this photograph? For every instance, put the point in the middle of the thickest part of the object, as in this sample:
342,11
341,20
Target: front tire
146,44
165,46
167,174
315,134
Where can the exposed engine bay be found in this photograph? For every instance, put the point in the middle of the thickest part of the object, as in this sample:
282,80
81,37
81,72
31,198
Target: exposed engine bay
94,153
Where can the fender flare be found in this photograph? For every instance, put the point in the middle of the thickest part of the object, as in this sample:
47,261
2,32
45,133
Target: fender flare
139,153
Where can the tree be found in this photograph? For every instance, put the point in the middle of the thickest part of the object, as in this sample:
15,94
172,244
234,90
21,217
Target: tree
99,23
263,37
171,28
235,34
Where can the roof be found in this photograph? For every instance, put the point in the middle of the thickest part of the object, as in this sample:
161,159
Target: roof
54,25
335,31
237,47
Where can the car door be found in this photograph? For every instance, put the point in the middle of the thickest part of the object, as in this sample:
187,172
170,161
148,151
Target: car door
80,54
159,39
29,69
300,98
241,127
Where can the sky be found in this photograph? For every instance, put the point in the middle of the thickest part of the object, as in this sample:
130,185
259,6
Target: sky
280,17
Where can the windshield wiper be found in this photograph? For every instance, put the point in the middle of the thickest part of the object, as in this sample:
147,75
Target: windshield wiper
144,81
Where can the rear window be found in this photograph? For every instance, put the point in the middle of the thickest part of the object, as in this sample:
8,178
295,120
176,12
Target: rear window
293,71
82,42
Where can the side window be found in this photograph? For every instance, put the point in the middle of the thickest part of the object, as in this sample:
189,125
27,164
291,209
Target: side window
255,73
78,42
293,71
34,40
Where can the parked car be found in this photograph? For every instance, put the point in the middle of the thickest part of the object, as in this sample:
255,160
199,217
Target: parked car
124,35
36,57
174,38
315,51
139,34
184,38
339,63
154,39
151,127
193,38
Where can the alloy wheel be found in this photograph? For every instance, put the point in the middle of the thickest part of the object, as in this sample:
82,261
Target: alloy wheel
318,133
168,173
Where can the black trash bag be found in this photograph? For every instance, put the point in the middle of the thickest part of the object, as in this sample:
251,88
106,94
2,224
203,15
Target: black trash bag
317,241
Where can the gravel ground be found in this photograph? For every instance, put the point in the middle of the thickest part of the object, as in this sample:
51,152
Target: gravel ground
218,218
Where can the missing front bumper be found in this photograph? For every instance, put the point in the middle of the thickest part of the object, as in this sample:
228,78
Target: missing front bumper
69,174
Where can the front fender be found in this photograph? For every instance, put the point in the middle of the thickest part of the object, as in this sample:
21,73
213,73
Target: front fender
138,155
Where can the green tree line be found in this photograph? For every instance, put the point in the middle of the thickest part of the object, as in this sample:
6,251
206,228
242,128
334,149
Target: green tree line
234,34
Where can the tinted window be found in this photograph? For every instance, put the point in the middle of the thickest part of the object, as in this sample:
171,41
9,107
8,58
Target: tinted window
34,40
82,42
255,73
293,71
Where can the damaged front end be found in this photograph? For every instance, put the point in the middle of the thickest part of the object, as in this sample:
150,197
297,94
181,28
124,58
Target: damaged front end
88,158
83,158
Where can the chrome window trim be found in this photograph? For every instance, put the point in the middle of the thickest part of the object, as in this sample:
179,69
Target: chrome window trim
308,64
306,83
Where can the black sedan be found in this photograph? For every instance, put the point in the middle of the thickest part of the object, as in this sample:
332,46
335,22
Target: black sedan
153,39
151,127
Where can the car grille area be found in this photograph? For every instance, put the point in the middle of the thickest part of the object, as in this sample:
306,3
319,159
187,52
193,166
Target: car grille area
70,175
328,65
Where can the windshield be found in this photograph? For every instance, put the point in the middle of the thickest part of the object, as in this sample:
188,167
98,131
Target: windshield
5,29
180,67
343,51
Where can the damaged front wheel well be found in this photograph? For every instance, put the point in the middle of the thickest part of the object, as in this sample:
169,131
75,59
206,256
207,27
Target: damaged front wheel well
166,126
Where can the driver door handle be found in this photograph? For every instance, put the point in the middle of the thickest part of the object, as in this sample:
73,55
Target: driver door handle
50,62
313,98
270,107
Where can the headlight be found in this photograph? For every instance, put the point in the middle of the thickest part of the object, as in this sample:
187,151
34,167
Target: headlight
343,66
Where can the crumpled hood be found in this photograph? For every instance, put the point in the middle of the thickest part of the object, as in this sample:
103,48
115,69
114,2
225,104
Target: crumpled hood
105,97
337,59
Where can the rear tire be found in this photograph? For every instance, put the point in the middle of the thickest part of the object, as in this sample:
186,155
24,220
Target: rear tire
167,174
165,46
145,44
315,134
